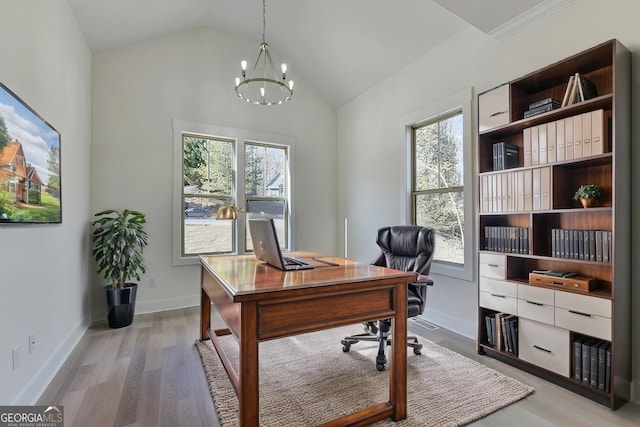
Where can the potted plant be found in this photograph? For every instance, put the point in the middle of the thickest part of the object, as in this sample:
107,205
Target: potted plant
587,194
118,241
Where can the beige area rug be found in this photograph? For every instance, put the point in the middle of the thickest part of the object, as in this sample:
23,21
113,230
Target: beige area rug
307,379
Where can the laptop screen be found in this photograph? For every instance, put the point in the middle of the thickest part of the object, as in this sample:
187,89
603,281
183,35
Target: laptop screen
265,241
267,248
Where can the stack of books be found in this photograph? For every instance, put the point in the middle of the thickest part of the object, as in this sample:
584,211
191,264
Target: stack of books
592,362
502,332
578,89
540,107
589,245
505,156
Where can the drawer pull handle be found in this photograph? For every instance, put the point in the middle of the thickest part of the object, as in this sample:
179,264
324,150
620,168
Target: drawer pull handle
553,282
499,296
493,265
498,113
580,314
541,349
535,303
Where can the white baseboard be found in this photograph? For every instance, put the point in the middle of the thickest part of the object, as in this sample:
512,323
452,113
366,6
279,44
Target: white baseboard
144,307
452,323
32,391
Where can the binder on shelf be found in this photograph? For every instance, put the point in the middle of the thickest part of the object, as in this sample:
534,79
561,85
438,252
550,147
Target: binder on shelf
505,156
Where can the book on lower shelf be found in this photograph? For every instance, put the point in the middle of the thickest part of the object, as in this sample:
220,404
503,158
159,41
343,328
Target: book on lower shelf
592,362
502,332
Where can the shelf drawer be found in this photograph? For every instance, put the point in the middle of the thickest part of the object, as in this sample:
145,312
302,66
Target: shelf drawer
536,311
589,324
544,345
536,294
492,265
493,108
498,302
500,287
583,303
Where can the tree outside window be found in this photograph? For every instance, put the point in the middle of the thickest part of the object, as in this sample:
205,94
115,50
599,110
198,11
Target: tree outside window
438,184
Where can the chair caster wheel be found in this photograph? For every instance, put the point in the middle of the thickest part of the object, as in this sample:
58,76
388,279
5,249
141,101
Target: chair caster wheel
380,367
346,348
417,352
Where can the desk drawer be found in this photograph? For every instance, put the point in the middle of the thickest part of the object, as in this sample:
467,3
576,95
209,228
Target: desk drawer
544,345
589,324
499,302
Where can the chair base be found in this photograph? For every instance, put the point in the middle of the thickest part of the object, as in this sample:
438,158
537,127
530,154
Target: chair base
379,332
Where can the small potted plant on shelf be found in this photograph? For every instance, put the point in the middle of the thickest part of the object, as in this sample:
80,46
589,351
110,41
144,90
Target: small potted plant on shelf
118,241
588,194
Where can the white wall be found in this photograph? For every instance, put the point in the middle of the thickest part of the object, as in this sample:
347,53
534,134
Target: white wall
138,91
44,269
371,145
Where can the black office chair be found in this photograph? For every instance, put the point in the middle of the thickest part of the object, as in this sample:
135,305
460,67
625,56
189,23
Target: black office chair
407,248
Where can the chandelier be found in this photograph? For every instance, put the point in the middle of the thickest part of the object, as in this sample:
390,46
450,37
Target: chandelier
264,85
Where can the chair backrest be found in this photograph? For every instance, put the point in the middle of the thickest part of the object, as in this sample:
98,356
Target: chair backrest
406,247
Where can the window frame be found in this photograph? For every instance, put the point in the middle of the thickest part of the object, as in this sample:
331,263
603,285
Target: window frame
239,138
438,110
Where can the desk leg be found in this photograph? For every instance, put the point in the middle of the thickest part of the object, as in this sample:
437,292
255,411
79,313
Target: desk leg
205,315
398,374
248,369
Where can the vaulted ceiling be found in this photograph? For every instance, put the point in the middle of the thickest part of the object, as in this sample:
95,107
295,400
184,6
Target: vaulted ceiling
342,47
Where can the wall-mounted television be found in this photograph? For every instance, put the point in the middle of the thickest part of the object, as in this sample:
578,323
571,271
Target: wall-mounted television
30,190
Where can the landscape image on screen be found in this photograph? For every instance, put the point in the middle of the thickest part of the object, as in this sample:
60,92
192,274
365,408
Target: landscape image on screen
29,164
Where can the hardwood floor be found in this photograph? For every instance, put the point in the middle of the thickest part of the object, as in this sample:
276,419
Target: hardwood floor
149,374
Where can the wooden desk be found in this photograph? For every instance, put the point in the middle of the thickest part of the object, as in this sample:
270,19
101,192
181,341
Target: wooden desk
259,302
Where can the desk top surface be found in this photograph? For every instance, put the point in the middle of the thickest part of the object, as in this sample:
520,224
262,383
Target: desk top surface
245,275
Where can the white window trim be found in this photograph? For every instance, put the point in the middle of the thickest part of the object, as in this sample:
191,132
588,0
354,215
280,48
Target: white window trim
239,136
456,102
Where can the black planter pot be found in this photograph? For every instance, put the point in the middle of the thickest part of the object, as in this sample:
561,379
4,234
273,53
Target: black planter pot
121,304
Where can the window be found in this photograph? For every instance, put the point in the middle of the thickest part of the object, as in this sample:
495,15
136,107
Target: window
218,167
439,179
438,184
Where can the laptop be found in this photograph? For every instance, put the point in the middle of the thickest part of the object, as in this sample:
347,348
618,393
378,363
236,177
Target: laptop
267,248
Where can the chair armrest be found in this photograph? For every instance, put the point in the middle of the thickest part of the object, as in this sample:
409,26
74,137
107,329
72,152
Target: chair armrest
423,281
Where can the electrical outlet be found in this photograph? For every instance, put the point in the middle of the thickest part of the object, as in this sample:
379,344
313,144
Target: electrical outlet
152,282
32,343
16,354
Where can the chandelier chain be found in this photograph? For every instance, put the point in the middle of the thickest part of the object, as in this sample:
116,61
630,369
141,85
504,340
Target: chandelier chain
264,20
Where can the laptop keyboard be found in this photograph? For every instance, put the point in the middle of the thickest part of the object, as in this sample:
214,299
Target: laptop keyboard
291,261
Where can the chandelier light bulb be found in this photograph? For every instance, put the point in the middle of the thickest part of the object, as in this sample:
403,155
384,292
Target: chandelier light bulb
243,64
237,81
290,84
262,92
283,67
